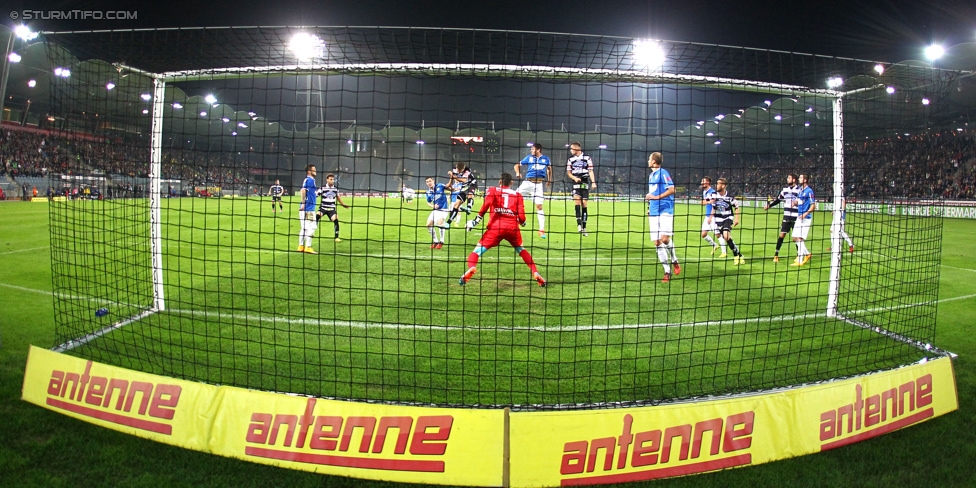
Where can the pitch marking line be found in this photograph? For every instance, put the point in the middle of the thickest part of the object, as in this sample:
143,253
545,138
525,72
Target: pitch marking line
569,328
24,250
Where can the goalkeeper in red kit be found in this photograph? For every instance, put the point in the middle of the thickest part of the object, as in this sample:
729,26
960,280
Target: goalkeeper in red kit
507,216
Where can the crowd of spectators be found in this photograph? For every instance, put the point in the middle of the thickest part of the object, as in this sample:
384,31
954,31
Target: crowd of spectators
936,164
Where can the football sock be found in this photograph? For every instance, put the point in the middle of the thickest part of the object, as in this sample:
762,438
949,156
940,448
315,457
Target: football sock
442,233
721,242
799,249
586,215
542,220
847,238
473,259
433,233
335,223
579,216
670,247
662,255
524,254
735,249
454,214
779,244
711,241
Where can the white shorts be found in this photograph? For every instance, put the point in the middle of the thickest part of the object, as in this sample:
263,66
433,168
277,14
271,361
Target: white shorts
535,191
706,227
309,224
437,216
661,225
802,228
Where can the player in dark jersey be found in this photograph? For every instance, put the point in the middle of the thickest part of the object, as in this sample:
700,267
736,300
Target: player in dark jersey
472,189
276,191
327,208
725,208
579,168
458,182
788,197
507,216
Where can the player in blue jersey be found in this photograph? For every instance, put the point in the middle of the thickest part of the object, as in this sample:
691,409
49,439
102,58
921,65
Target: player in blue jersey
437,201
805,205
708,225
537,174
660,214
306,211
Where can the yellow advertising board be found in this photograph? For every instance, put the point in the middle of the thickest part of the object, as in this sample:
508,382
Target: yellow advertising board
375,441
384,442
634,444
156,407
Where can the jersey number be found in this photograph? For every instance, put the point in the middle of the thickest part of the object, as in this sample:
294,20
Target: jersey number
505,200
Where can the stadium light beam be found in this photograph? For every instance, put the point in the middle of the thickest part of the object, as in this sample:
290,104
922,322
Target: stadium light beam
934,52
306,46
648,53
835,82
24,32
210,99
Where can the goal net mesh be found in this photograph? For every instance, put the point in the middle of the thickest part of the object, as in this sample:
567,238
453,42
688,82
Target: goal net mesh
190,267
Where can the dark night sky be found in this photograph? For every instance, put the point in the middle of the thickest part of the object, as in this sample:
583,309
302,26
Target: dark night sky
876,30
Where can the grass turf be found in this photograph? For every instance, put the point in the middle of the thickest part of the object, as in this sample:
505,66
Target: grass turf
47,449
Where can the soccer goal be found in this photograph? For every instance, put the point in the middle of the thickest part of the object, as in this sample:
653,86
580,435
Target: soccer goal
781,248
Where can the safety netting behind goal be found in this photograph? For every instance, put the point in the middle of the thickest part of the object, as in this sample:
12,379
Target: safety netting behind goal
201,254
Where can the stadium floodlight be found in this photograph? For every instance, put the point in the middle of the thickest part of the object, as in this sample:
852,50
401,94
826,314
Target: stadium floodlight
24,32
210,99
242,125
709,134
806,124
701,122
421,143
224,119
14,58
835,82
648,53
809,109
203,113
109,85
177,105
529,144
65,73
879,69
925,101
778,117
233,133
890,90
934,52
767,102
145,111
719,117
32,83
145,96
717,143
604,146
306,46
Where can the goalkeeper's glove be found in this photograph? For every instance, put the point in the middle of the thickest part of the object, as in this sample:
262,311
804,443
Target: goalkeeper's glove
472,223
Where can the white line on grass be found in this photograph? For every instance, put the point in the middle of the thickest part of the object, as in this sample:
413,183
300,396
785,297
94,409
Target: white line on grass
25,250
960,269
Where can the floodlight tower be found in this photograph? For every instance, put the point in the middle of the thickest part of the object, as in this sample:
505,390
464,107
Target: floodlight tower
308,48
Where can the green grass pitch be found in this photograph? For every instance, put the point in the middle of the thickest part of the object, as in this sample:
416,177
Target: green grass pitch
380,316
42,448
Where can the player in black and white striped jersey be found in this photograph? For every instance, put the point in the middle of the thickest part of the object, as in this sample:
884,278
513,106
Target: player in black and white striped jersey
330,195
276,191
788,197
724,208
579,168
